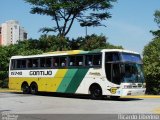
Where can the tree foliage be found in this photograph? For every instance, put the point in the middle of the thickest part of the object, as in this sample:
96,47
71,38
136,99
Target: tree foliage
157,17
65,12
92,42
152,66
53,43
151,59
157,20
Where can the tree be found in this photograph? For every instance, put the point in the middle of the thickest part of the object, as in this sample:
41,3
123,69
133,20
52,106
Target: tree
151,58
91,42
157,17
65,12
5,53
152,66
157,20
49,43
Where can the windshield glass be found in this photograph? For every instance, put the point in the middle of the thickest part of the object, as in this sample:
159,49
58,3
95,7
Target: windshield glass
132,73
128,57
124,73
123,68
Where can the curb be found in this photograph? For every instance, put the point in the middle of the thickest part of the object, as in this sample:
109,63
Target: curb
9,91
143,96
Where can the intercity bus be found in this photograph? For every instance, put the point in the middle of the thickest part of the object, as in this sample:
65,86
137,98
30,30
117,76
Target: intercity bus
104,72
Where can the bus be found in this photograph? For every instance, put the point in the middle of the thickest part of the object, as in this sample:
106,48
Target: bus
100,72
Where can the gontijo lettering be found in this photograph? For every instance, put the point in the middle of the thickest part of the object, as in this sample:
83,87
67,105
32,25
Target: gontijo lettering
40,72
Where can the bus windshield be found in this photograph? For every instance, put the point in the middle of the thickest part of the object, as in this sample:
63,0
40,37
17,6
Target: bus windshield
124,68
132,73
128,57
124,72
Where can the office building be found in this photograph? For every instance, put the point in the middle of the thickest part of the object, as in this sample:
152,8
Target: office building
11,32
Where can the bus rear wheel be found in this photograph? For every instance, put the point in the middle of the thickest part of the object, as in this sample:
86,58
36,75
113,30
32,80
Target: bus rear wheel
25,88
95,92
34,88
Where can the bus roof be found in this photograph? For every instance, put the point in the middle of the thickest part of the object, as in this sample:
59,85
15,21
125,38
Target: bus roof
73,52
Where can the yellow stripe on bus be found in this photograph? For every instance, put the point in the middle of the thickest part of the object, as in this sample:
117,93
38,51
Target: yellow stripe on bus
50,84
74,52
65,52
54,83
16,82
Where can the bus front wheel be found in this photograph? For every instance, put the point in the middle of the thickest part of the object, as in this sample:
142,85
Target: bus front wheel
34,88
25,88
95,92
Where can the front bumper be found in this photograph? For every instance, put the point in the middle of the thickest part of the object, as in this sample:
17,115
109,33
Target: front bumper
128,92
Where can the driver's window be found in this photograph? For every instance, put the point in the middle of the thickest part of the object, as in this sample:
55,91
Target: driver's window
116,75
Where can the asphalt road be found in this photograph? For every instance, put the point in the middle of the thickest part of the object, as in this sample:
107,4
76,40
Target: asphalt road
50,103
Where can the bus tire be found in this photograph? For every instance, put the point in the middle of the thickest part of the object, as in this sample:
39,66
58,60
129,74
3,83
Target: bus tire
25,88
34,88
95,92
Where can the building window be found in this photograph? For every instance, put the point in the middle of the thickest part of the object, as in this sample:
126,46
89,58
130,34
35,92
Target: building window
15,26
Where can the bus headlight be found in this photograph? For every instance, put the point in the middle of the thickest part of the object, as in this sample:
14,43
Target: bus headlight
127,86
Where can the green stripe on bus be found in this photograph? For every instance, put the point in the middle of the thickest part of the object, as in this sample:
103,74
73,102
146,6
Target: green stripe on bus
95,51
66,80
90,52
77,79
83,52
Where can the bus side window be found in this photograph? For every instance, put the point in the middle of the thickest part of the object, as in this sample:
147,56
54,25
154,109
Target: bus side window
48,62
18,64
113,56
34,63
29,63
89,60
97,59
45,62
23,64
75,60
116,75
13,64
72,60
42,62
79,60
63,61
56,62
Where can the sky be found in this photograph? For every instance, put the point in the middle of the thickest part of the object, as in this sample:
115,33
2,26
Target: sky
129,26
